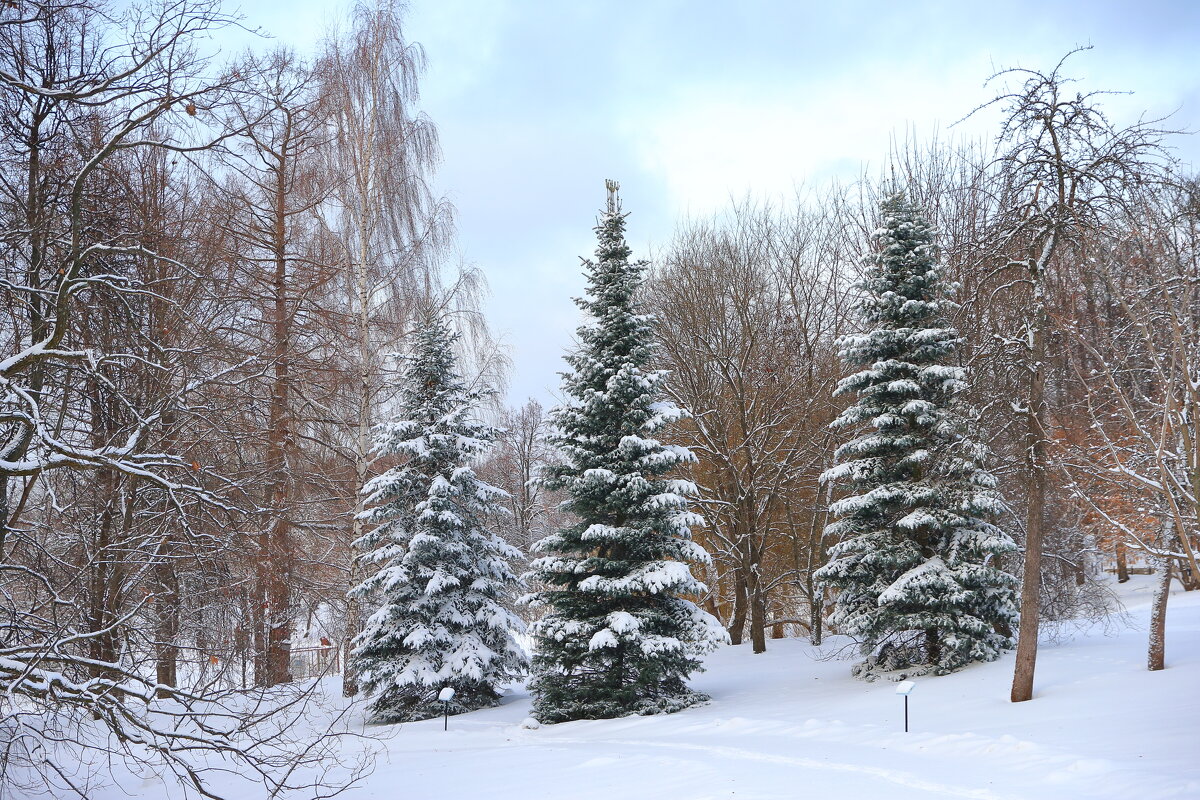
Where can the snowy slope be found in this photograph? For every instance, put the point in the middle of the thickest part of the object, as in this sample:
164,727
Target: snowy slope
786,724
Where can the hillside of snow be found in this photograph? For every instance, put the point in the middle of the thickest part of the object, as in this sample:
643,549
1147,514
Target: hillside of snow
793,723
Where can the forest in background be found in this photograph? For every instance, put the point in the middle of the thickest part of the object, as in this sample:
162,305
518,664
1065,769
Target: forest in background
207,264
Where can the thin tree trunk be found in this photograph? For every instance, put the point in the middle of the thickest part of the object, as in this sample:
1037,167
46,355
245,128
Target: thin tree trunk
105,577
737,622
273,655
101,647
816,559
714,591
1027,639
166,603
361,444
1155,658
933,647
817,626
1122,562
758,610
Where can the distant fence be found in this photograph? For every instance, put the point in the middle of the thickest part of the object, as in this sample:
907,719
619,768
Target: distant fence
313,662
1138,570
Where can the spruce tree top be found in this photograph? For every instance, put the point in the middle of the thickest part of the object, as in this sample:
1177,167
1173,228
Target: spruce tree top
903,292
434,426
604,431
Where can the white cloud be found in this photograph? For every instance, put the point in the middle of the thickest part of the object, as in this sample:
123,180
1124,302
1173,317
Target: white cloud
712,143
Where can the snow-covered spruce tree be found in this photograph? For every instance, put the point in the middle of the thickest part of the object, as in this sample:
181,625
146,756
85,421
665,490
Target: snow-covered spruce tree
915,567
441,579
619,637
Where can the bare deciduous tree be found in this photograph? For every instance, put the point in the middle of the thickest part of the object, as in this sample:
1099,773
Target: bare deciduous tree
749,308
1063,171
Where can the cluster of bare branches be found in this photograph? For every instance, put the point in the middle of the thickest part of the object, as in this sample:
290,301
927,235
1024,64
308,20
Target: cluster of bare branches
204,266
749,308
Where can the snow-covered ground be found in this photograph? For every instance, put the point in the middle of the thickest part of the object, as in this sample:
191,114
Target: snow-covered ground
788,724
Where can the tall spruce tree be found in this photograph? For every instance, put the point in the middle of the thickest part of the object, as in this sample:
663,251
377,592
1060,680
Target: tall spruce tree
441,579
618,638
916,565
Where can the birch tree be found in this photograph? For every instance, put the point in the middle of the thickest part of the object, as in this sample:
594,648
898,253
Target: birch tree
391,228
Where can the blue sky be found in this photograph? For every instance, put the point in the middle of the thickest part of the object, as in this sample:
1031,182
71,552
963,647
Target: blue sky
690,104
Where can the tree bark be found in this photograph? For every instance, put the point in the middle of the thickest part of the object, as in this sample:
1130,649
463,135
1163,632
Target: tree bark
1156,657
758,610
818,618
273,656
166,602
362,447
816,559
1035,454
737,622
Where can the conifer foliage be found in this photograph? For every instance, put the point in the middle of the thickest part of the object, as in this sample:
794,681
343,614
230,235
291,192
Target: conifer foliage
618,638
916,565
441,579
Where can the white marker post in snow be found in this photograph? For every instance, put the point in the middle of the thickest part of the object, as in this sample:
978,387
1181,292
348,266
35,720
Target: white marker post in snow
905,688
445,696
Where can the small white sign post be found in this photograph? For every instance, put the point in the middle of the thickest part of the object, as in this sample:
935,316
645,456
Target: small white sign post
905,688
445,696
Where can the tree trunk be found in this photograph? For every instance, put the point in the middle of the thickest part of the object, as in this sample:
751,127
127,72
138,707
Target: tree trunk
362,443
1022,687
1122,562
1155,658
106,575
102,646
273,650
758,611
816,559
166,604
1188,578
710,600
737,622
1027,639
816,628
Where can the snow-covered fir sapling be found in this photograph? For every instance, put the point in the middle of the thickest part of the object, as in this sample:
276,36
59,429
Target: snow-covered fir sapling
619,636
916,565
440,579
